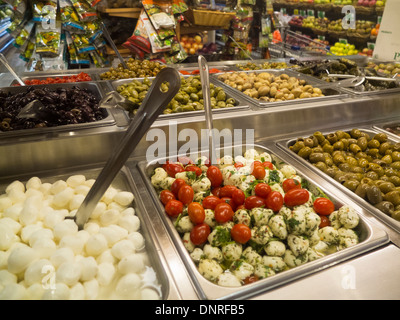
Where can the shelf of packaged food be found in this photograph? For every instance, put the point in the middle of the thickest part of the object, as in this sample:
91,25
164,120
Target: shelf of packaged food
123,12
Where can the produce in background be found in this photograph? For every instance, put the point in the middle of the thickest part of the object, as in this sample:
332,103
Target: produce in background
343,49
191,43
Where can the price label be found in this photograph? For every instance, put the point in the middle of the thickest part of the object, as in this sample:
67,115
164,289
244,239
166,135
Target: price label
296,12
321,14
341,40
310,13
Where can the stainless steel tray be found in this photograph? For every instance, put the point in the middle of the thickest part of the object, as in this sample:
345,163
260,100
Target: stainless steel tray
240,103
384,128
285,144
92,87
123,181
370,238
44,76
329,91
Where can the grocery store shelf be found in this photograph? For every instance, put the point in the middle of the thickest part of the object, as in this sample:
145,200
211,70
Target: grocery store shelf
123,12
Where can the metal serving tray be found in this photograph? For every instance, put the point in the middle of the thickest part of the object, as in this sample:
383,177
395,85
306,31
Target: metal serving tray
123,181
384,126
240,103
370,237
329,92
44,76
92,87
285,144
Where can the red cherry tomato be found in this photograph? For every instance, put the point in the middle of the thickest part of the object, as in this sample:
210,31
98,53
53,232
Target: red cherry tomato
216,192
230,202
262,190
196,212
176,185
274,201
227,191
186,194
173,208
200,233
241,207
269,165
241,233
238,196
323,206
215,176
223,212
173,168
165,196
210,202
238,165
258,172
250,279
296,197
289,184
195,169
325,222
254,202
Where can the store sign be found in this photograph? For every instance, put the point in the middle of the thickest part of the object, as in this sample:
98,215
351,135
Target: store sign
349,21
387,45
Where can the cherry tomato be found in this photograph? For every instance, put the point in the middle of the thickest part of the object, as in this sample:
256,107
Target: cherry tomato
324,222
274,201
210,202
216,192
241,233
200,233
227,191
257,163
230,202
173,168
323,206
250,279
196,212
238,196
185,160
223,212
254,202
165,196
269,165
215,176
262,190
186,194
195,169
289,184
238,165
241,207
258,172
176,185
173,208
296,197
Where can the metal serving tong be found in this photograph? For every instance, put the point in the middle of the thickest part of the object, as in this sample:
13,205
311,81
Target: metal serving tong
151,107
7,65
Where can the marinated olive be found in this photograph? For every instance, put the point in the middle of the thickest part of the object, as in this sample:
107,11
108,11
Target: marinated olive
396,215
374,143
381,137
385,206
385,186
362,143
316,157
393,197
374,195
361,190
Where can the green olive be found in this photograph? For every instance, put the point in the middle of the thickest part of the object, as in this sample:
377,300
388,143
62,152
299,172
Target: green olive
351,161
351,184
396,215
331,171
387,159
340,134
320,137
309,142
362,162
305,152
345,167
332,138
372,175
395,156
321,166
345,143
374,195
381,137
384,147
395,165
373,152
385,206
316,157
395,180
362,143
385,186
297,146
327,148
355,133
374,144
361,190
317,149
393,197
338,159
338,145
355,148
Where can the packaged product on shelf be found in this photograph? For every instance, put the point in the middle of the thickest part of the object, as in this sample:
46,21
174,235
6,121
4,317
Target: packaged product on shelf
57,62
6,13
93,30
84,11
82,43
157,43
17,24
179,7
43,10
19,6
93,3
24,34
160,17
48,40
139,38
99,59
69,18
29,49
74,57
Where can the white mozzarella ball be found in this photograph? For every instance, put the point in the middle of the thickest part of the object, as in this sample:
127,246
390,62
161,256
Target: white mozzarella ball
83,235
35,291
105,273
28,230
64,228
74,242
76,201
45,188
210,269
275,248
128,285
60,292
89,182
96,244
69,273
10,224
91,289
13,291
92,227
5,203
109,195
76,180
89,268
3,259
115,206
58,186
29,214
7,277
111,235
149,294
62,255
44,247
228,280
122,249
82,189
129,222
40,234
77,292
16,196
106,256
124,198
37,271
20,258
137,239
52,218
109,217
13,212
15,185
123,233
131,263
98,210
33,183
62,198
128,211
34,193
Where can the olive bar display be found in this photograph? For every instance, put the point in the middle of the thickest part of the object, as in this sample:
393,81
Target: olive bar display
44,154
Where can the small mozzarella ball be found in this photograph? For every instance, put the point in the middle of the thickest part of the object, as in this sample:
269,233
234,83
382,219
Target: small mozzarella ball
69,273
91,289
90,182
137,239
130,211
74,242
36,271
13,291
33,183
293,261
52,218
263,271
76,180
62,255
329,234
232,251
98,210
128,285
20,258
276,263
40,234
16,196
60,292
92,227
122,249
44,247
96,244
3,259
109,195
89,268
109,217
228,280
124,198
77,292
82,189
210,269
28,230
123,233
83,235
62,198
187,242
28,215
76,201
298,244
13,212
110,234
5,203
10,224
106,256
150,294
115,206
58,187
7,278
131,263
15,185
243,270
252,256
64,228
45,188
348,217
34,193
105,273
196,255
275,248
129,222
213,253
35,291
